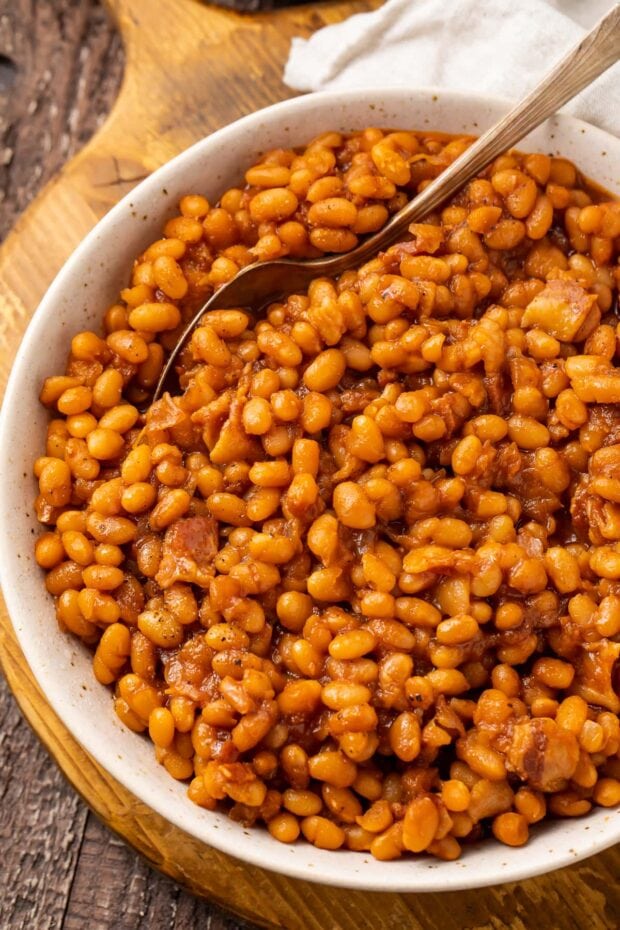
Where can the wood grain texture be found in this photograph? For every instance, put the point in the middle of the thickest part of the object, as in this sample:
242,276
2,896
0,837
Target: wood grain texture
129,895
215,67
62,70
41,826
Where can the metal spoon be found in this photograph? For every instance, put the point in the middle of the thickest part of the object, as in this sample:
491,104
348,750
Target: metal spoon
263,282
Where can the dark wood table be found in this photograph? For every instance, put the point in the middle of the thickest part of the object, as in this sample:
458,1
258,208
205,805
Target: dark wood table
60,69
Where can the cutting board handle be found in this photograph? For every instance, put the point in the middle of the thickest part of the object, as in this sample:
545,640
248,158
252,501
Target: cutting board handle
159,33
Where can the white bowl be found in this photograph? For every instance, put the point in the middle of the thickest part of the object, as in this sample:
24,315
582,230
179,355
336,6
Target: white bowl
88,283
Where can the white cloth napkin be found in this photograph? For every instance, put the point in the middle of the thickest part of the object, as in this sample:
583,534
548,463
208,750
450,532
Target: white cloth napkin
499,47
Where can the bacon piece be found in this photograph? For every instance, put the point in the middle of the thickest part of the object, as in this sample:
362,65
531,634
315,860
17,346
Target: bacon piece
189,548
164,414
538,500
88,372
233,443
596,673
355,398
561,309
427,239
543,754
498,393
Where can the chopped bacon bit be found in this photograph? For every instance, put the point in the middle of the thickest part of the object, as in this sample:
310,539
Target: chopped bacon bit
189,548
542,753
560,309
164,414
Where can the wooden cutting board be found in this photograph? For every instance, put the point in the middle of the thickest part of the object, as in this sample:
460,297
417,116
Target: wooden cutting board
192,68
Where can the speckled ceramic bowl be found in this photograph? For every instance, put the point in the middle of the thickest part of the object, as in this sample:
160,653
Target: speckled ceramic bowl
87,284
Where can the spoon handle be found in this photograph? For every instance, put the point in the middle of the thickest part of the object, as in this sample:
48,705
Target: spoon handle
591,57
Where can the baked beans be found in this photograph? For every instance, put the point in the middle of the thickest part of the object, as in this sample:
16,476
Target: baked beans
359,580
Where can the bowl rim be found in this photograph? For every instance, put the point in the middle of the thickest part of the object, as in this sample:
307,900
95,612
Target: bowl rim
78,725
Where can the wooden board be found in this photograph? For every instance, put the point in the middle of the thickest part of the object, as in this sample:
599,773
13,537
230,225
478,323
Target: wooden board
190,69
